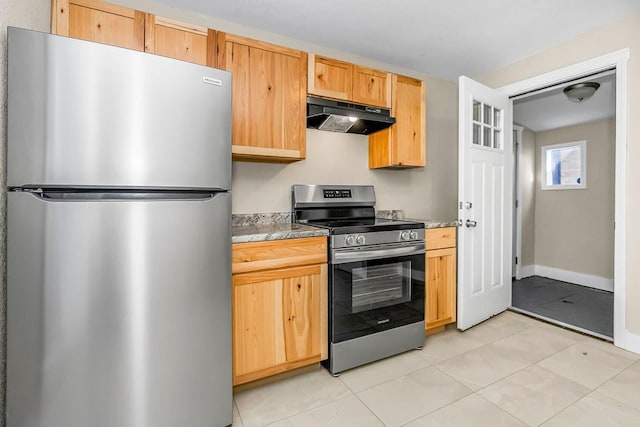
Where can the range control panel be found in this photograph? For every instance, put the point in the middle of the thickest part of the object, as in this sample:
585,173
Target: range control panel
329,193
377,238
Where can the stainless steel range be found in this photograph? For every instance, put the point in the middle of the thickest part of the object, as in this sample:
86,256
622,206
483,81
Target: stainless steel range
376,274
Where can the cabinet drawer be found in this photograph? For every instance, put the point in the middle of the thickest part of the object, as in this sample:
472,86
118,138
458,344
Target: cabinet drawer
438,238
267,255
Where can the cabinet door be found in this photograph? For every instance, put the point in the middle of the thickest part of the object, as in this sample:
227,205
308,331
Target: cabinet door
371,87
179,40
269,99
277,321
440,307
403,144
330,78
98,22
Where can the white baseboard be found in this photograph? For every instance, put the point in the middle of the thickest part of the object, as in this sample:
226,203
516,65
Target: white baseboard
589,280
628,341
527,271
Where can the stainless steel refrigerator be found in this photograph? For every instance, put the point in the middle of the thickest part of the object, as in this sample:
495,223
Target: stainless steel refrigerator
118,240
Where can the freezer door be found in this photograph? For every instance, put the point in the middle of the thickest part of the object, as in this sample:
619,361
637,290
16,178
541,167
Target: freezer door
89,114
119,312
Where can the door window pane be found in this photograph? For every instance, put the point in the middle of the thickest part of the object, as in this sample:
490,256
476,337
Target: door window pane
487,136
476,111
476,134
487,114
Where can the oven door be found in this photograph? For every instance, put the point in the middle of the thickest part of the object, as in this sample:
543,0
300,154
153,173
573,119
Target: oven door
375,288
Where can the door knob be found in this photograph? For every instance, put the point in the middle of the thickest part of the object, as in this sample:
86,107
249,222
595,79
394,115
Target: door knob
471,223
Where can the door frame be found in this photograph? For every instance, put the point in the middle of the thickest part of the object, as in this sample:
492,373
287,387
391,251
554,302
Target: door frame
517,154
618,60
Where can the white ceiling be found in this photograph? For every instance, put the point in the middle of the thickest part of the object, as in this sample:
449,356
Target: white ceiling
552,109
442,38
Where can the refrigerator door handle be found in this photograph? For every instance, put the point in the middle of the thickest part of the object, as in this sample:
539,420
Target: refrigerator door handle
67,196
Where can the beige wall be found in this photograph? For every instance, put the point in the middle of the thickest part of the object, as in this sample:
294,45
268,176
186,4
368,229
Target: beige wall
33,14
527,174
333,158
618,35
574,228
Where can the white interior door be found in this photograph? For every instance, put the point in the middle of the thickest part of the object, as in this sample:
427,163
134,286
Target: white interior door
485,203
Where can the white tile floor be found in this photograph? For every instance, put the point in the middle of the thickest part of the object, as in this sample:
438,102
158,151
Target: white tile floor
509,371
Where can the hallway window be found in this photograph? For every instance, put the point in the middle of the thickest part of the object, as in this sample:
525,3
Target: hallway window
564,166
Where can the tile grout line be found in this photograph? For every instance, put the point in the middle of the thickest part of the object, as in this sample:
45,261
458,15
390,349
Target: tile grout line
487,343
573,403
239,414
617,375
303,411
361,401
553,373
392,379
510,375
404,375
541,367
604,351
500,379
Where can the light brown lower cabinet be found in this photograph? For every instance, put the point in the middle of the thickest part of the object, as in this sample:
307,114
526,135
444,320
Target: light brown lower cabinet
441,283
279,314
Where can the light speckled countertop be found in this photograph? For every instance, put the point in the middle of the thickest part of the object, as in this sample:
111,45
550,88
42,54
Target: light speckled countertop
432,223
278,226
428,223
278,231
269,226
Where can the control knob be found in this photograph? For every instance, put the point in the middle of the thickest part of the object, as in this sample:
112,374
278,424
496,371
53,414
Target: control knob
414,235
404,235
350,240
360,239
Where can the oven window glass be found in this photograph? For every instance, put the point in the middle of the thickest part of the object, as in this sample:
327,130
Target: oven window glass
378,286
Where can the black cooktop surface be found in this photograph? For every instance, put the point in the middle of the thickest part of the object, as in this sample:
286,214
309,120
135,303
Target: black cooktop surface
364,225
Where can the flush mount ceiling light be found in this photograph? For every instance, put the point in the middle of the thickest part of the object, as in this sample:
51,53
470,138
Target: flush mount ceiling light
581,91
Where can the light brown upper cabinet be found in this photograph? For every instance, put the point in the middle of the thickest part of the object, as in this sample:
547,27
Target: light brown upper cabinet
341,80
119,26
330,78
269,99
180,41
403,144
371,87
98,22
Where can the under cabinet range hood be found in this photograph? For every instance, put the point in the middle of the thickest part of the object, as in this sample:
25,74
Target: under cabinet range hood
339,116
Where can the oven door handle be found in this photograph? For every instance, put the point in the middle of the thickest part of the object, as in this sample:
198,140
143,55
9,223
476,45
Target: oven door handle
341,257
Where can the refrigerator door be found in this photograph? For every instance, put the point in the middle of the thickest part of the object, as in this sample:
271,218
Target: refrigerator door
119,312
93,115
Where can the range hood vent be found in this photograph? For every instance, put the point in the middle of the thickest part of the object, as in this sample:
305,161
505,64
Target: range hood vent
338,116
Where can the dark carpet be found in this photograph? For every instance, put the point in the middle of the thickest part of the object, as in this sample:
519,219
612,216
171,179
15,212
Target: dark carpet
587,308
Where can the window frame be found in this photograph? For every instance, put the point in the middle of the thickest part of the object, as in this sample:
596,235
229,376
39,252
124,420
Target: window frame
582,144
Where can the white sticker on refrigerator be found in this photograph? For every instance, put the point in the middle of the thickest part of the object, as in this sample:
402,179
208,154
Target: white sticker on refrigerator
212,81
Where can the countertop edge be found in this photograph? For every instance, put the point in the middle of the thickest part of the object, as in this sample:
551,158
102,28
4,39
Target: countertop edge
278,235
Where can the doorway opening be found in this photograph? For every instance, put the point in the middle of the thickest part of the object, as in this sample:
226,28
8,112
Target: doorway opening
484,270
564,206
